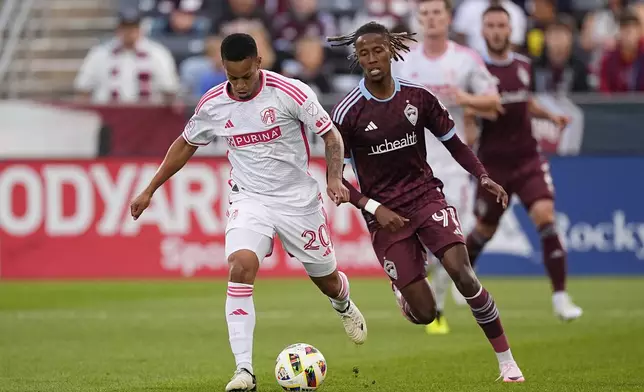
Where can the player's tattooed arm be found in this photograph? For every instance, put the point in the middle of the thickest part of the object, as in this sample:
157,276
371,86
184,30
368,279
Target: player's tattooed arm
538,111
176,157
334,152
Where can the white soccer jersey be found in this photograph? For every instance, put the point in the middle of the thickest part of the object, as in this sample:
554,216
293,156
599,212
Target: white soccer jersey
459,67
267,143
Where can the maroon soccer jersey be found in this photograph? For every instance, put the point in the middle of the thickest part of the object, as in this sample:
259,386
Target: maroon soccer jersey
509,138
385,143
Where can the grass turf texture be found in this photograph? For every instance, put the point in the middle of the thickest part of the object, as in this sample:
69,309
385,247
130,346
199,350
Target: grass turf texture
172,336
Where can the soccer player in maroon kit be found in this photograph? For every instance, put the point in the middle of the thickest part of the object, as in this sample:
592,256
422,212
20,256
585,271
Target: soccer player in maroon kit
383,122
510,153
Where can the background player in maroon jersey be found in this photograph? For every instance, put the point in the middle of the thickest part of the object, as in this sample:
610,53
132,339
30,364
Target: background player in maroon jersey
383,123
510,153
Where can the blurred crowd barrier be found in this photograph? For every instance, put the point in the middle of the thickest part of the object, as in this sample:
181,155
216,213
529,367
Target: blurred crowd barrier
68,172
599,125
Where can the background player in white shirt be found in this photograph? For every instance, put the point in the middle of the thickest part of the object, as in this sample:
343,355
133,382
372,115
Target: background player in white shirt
458,76
264,117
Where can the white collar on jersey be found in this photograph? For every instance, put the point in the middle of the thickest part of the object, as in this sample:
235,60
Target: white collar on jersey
508,61
365,92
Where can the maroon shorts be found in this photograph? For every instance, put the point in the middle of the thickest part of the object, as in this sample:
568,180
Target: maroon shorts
530,181
434,228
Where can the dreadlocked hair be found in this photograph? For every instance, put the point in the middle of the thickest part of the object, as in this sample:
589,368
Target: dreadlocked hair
397,41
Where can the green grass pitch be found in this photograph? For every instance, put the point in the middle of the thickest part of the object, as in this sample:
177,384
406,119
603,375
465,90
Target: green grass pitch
171,336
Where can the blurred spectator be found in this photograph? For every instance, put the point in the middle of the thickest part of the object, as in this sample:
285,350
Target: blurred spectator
302,20
200,73
600,28
542,14
275,7
129,68
308,64
468,23
557,70
246,16
386,12
241,16
182,20
622,69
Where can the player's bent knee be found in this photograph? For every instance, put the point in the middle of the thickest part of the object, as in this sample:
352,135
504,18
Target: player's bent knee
242,266
542,212
425,314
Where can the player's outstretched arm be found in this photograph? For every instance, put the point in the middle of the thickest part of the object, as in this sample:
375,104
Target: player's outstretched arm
386,218
466,158
178,154
483,103
538,111
334,152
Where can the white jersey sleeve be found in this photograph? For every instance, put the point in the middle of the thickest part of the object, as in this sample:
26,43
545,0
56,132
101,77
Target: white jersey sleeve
201,129
311,113
481,81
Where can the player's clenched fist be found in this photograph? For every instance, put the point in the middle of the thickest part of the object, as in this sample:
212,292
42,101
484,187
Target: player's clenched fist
337,191
139,204
495,189
389,219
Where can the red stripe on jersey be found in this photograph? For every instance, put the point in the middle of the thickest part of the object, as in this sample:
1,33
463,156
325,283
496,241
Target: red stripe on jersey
185,136
216,89
207,98
306,144
288,92
288,84
326,127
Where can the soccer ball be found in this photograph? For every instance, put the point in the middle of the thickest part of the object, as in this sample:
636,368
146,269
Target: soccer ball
300,367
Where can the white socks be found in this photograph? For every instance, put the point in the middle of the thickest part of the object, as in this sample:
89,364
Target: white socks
504,357
441,283
240,316
341,302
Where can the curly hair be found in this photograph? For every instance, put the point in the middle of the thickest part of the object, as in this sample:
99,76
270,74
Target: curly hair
397,41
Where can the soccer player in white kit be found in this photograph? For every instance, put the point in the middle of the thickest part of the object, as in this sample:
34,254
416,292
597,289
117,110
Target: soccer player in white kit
264,118
459,77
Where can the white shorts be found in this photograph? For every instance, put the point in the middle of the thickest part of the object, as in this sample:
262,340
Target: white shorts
253,226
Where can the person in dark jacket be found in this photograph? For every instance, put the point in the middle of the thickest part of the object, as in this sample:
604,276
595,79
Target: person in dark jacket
558,70
622,69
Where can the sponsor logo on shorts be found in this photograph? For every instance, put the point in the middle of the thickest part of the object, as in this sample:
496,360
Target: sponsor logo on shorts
250,139
390,269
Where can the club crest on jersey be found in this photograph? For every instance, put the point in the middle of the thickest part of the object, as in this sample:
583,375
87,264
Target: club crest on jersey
269,116
312,109
524,76
390,269
411,112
